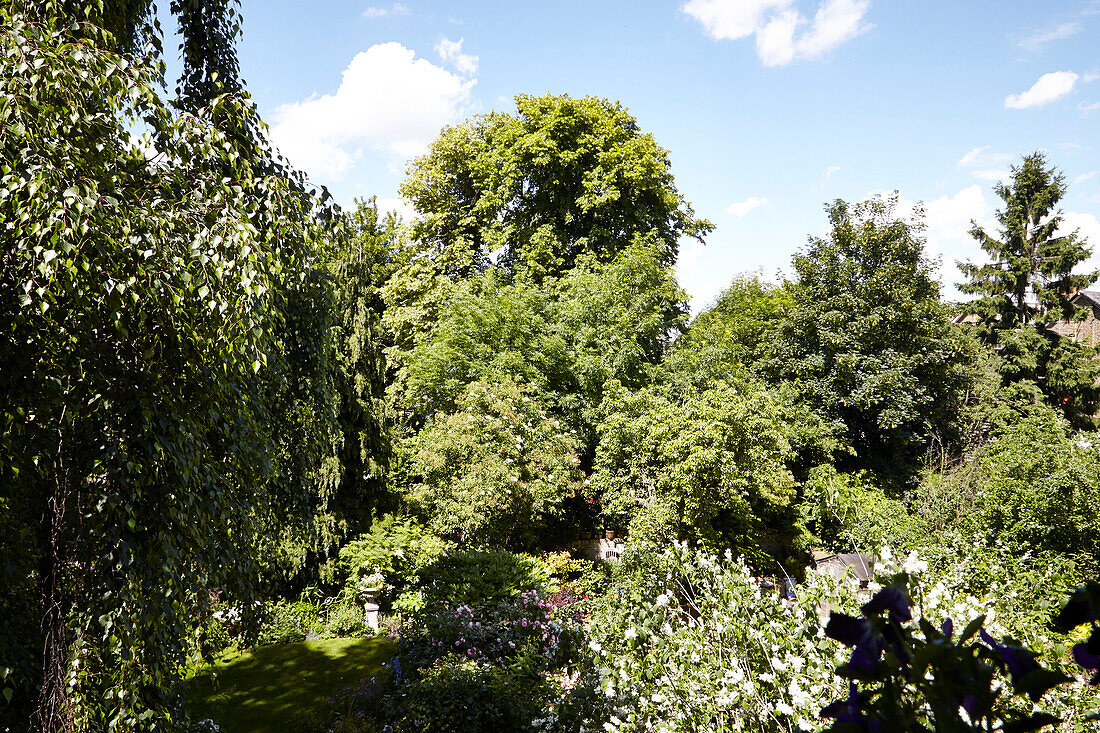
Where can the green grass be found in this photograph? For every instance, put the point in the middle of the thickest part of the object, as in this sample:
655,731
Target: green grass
265,689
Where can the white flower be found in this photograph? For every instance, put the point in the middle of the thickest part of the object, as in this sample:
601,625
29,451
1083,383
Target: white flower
913,565
662,600
631,633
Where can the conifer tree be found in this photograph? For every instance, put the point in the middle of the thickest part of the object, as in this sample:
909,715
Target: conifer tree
1028,255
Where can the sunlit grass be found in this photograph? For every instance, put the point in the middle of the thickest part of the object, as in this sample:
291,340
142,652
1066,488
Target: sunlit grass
269,688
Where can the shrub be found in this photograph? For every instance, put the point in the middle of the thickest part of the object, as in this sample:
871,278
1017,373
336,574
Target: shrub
480,576
938,680
288,621
396,546
497,468
345,619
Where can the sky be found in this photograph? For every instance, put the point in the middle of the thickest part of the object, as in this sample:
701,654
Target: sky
769,108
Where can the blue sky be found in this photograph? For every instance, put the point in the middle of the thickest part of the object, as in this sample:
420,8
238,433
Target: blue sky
769,108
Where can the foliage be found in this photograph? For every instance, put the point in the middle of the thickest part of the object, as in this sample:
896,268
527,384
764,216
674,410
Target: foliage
490,632
494,471
700,465
933,682
616,319
1028,255
476,658
284,622
732,336
474,577
485,331
397,546
1040,491
846,512
145,287
1083,607
560,178
867,341
1036,363
357,263
691,643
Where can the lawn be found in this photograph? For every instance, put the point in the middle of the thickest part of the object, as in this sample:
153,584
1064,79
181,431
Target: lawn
266,688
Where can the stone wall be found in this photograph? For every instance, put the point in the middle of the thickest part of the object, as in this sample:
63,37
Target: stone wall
601,549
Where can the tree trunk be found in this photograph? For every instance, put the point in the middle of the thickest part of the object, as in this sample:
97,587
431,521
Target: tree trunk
54,711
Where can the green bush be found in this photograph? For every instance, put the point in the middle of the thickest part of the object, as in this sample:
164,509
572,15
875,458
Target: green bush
396,546
288,621
481,576
464,697
345,619
1040,491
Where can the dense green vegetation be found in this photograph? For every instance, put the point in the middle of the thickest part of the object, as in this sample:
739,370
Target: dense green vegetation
233,412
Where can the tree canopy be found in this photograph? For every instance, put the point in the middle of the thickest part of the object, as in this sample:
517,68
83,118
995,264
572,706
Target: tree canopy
163,348
867,341
1029,257
538,189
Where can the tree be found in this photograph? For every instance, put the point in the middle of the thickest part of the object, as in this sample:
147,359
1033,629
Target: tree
208,32
495,470
150,297
1029,257
867,341
538,189
707,466
731,338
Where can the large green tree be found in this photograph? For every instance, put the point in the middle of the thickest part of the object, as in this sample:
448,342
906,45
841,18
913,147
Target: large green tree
543,251
867,341
1031,269
1027,285
560,178
155,306
705,466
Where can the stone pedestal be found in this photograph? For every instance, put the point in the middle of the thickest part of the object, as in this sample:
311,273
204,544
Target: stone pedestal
370,608
370,611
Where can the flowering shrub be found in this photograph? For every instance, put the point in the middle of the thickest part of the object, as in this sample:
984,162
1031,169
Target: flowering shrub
689,641
695,644
492,634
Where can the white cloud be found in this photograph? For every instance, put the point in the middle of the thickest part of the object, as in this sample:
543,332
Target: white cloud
778,25
1088,229
741,208
1037,39
827,175
1086,108
1047,89
403,208
1084,177
377,12
388,100
732,20
451,52
985,165
947,230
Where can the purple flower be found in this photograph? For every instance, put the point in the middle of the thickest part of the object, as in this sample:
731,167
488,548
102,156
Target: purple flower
848,630
892,599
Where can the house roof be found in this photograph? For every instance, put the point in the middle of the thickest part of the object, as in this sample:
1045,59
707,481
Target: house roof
1091,296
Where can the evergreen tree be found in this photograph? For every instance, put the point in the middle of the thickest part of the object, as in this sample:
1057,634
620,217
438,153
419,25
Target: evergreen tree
1028,255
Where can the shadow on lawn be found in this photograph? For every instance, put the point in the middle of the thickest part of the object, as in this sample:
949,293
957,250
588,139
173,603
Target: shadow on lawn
273,685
